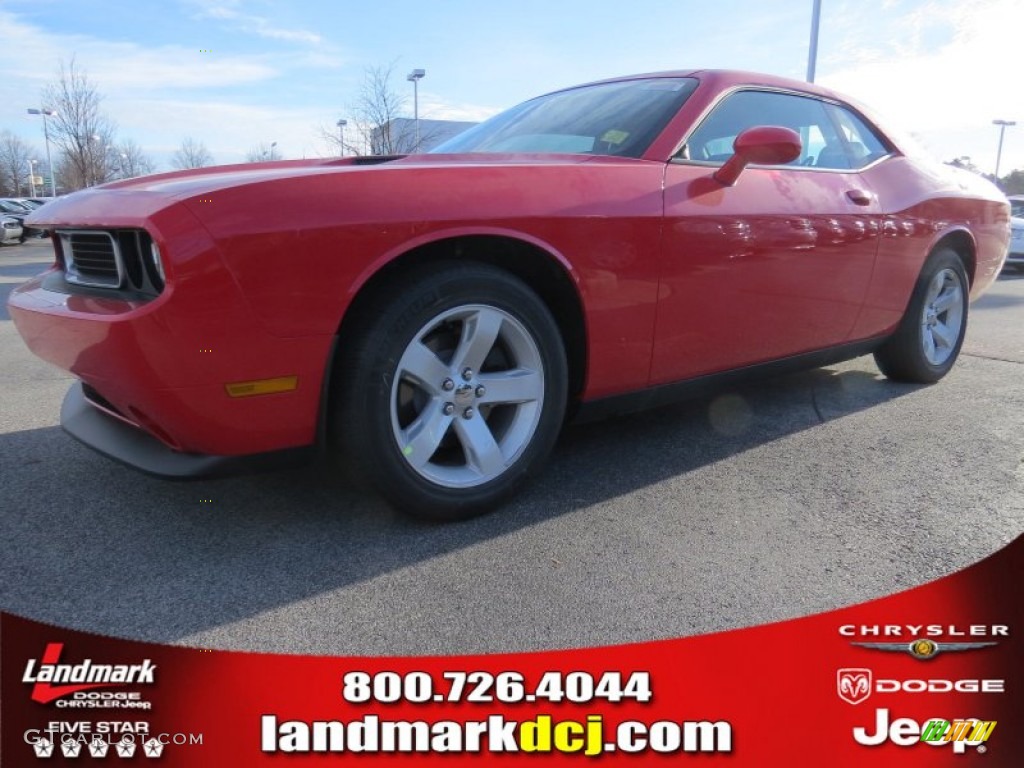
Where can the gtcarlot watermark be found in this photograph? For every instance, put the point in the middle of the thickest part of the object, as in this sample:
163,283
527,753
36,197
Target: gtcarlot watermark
73,739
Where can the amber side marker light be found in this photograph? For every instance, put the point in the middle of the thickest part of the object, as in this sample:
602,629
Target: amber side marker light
262,386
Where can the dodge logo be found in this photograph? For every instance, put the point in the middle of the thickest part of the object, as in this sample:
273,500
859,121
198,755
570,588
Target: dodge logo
853,685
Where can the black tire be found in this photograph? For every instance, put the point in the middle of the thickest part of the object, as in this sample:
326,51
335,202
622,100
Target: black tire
412,412
928,340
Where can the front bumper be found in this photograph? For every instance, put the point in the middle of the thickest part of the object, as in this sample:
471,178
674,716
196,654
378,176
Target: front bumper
164,365
139,450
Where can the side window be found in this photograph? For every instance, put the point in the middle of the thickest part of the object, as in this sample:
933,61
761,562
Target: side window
822,146
863,143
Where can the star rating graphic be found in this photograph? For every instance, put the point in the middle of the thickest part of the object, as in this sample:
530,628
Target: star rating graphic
71,748
125,748
98,747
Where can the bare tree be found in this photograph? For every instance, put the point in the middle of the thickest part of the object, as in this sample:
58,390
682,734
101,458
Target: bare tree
63,170
15,166
352,137
377,109
130,161
378,125
263,153
191,154
80,130
381,123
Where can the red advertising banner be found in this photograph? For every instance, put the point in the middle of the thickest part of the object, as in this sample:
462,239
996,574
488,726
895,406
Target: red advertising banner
928,677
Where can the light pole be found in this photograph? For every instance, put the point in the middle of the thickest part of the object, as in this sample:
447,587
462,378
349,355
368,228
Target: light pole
1002,129
341,128
414,77
812,53
273,144
32,176
46,112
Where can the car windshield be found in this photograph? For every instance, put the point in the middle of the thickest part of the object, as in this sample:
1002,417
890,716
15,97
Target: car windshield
1017,208
620,118
10,206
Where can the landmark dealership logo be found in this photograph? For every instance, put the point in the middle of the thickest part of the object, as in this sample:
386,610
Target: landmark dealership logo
52,680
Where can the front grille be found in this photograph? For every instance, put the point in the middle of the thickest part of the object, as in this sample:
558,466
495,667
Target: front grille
91,258
119,259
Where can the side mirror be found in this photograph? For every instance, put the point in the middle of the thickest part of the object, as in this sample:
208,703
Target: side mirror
760,145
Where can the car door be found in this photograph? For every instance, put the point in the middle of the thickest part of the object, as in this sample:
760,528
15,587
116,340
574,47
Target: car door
774,266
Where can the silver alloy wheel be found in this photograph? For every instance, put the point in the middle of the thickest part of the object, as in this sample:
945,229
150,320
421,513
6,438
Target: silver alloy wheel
942,318
467,396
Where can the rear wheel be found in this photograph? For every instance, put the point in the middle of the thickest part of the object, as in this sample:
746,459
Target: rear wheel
928,340
455,390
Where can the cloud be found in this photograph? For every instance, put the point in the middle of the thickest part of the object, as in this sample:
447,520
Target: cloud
433,107
228,130
253,24
943,72
118,65
160,94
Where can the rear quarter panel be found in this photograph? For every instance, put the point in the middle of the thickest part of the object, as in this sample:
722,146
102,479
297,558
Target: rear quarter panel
922,202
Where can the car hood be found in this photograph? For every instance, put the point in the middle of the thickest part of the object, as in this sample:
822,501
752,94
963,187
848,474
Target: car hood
123,203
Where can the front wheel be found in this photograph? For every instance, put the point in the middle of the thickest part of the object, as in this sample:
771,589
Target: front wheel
932,330
455,390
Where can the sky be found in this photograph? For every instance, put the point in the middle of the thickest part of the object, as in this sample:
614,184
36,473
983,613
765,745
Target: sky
237,73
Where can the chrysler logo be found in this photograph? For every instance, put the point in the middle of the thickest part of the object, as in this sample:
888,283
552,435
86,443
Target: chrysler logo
923,648
853,685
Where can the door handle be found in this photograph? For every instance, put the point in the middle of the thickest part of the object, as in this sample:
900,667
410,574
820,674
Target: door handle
860,196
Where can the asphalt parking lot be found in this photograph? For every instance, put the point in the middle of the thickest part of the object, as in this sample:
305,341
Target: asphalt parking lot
794,496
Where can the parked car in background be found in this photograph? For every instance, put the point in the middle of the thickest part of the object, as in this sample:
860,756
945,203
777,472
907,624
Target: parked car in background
29,202
10,230
13,209
1015,257
19,209
432,320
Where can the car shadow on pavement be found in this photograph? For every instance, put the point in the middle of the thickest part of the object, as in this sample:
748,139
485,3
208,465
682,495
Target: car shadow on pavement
89,544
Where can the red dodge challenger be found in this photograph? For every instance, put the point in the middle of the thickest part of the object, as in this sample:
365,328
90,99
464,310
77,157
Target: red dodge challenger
432,320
